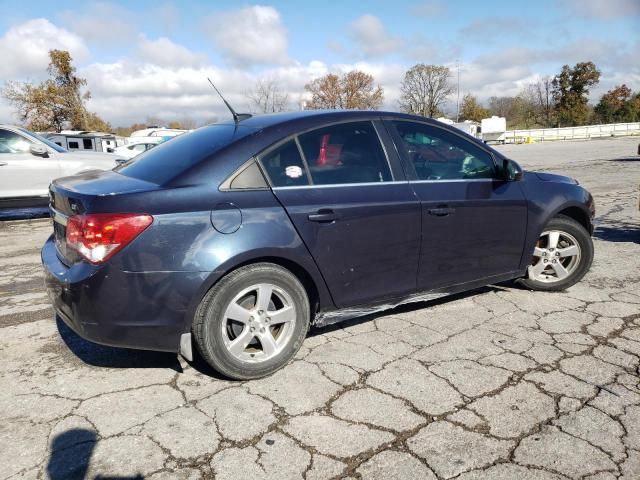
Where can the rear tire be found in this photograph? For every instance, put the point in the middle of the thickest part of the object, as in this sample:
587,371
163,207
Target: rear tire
562,256
252,322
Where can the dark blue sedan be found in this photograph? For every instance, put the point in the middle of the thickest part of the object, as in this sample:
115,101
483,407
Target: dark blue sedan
238,236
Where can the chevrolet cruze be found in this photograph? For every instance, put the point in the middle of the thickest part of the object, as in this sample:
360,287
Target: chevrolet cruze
239,236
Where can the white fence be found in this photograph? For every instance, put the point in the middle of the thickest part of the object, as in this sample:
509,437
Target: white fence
572,133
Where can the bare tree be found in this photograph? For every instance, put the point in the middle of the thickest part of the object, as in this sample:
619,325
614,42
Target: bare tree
425,88
267,97
543,89
352,90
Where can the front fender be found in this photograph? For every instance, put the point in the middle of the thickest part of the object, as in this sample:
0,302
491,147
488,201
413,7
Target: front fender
545,201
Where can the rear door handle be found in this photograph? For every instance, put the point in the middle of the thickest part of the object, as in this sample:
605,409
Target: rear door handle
441,211
2,164
324,215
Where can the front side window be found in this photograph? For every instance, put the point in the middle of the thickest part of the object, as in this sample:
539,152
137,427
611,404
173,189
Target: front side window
440,155
345,153
13,143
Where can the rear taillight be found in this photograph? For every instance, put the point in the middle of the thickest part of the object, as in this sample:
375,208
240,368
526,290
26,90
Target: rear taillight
98,236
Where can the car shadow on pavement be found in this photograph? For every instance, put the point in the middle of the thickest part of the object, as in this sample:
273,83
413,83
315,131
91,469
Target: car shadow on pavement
70,456
113,357
620,232
626,159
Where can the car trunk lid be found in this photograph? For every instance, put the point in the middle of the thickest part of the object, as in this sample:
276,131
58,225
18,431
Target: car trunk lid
78,194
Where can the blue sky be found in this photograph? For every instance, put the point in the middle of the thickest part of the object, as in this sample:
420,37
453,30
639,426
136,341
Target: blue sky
149,58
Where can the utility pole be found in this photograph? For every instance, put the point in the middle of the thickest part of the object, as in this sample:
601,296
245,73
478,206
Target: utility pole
458,101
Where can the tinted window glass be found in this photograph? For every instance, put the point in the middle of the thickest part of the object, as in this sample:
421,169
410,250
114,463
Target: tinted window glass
284,166
73,145
440,155
87,144
166,161
345,153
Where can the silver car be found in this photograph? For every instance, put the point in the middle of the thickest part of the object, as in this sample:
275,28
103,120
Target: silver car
29,162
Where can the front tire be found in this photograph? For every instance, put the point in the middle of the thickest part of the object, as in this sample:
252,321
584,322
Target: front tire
252,322
561,257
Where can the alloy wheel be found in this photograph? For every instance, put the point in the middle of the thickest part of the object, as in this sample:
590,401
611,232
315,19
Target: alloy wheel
556,256
258,323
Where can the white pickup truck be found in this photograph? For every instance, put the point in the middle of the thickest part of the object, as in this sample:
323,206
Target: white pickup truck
29,162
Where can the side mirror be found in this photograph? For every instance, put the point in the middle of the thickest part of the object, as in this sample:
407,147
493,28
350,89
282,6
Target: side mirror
39,150
512,171
110,150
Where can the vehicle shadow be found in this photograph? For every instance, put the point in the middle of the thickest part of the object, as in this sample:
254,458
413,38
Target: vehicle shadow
114,357
626,159
70,456
620,232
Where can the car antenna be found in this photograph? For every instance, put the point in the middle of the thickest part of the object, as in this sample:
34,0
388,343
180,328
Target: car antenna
237,117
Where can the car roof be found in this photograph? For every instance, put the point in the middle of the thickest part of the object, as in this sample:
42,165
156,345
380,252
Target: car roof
272,119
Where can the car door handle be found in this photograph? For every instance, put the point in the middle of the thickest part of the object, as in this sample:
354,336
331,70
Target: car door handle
2,164
441,211
324,215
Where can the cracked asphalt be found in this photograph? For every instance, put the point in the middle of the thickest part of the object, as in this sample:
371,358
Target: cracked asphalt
499,383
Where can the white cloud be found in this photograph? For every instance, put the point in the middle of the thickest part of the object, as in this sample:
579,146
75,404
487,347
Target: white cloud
250,36
371,38
99,22
164,52
25,48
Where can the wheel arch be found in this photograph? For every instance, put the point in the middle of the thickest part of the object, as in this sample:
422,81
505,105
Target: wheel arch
308,275
577,213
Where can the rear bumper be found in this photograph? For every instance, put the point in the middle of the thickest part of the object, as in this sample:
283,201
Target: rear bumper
144,310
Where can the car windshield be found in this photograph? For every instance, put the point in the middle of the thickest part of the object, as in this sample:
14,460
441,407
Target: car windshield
166,161
47,142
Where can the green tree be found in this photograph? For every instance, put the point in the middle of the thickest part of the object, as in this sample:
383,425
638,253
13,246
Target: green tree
571,93
56,103
472,109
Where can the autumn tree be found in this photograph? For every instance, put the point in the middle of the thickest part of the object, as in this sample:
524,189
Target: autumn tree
351,90
185,123
619,104
425,88
267,97
571,93
472,109
56,103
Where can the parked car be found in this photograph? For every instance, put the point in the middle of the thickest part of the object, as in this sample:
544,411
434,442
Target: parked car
239,236
29,162
137,146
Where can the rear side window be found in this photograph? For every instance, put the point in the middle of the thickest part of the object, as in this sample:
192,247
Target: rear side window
440,155
284,166
163,163
345,153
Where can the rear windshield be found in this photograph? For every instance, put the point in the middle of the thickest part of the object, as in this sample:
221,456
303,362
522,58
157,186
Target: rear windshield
161,164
